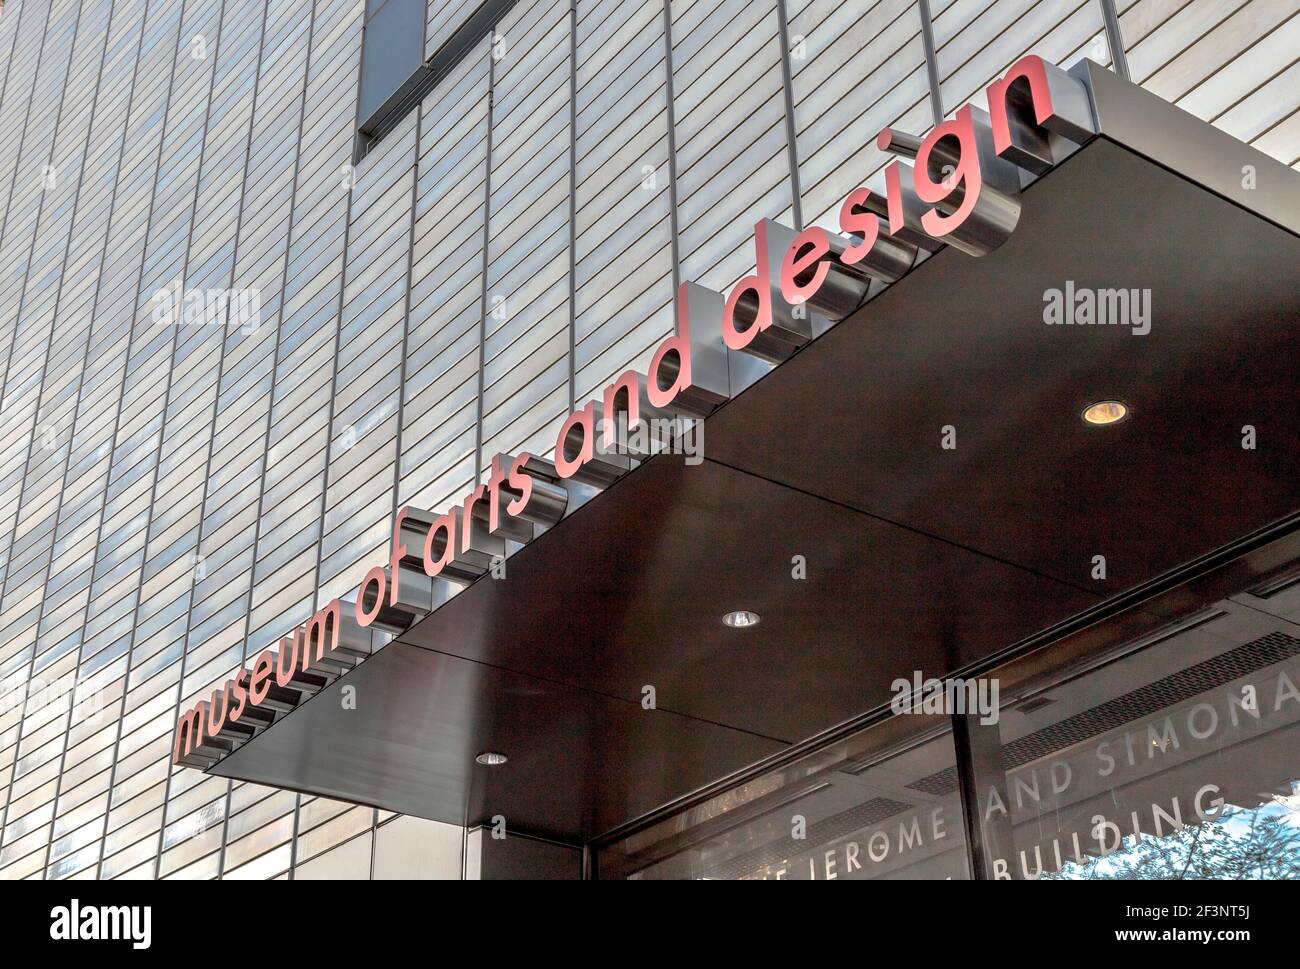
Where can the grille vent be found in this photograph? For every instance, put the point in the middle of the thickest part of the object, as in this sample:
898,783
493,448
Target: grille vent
1145,700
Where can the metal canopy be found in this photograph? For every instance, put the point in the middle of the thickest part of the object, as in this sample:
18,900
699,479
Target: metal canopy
918,558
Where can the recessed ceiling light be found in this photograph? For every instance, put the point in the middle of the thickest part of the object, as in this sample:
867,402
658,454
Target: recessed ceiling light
490,758
740,619
1105,412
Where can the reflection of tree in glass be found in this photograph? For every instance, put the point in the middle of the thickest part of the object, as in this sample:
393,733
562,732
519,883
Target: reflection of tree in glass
1255,844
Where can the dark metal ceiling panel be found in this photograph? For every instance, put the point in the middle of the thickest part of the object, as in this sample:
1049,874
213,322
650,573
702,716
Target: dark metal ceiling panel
962,342
630,591
420,718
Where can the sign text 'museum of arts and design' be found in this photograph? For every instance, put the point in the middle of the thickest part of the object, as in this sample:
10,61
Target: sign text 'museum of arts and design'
962,189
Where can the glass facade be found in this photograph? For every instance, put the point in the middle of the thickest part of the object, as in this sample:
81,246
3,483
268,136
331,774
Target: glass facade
229,351
866,808
1171,755
1177,761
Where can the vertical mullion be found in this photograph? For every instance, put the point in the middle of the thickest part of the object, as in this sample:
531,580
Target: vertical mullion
931,60
976,855
980,766
787,92
487,238
1115,38
573,200
672,149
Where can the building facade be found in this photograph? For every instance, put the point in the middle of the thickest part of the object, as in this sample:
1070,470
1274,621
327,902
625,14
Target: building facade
243,322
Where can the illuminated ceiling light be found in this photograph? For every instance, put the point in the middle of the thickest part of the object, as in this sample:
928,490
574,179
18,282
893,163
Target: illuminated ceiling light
490,758
1105,412
740,619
